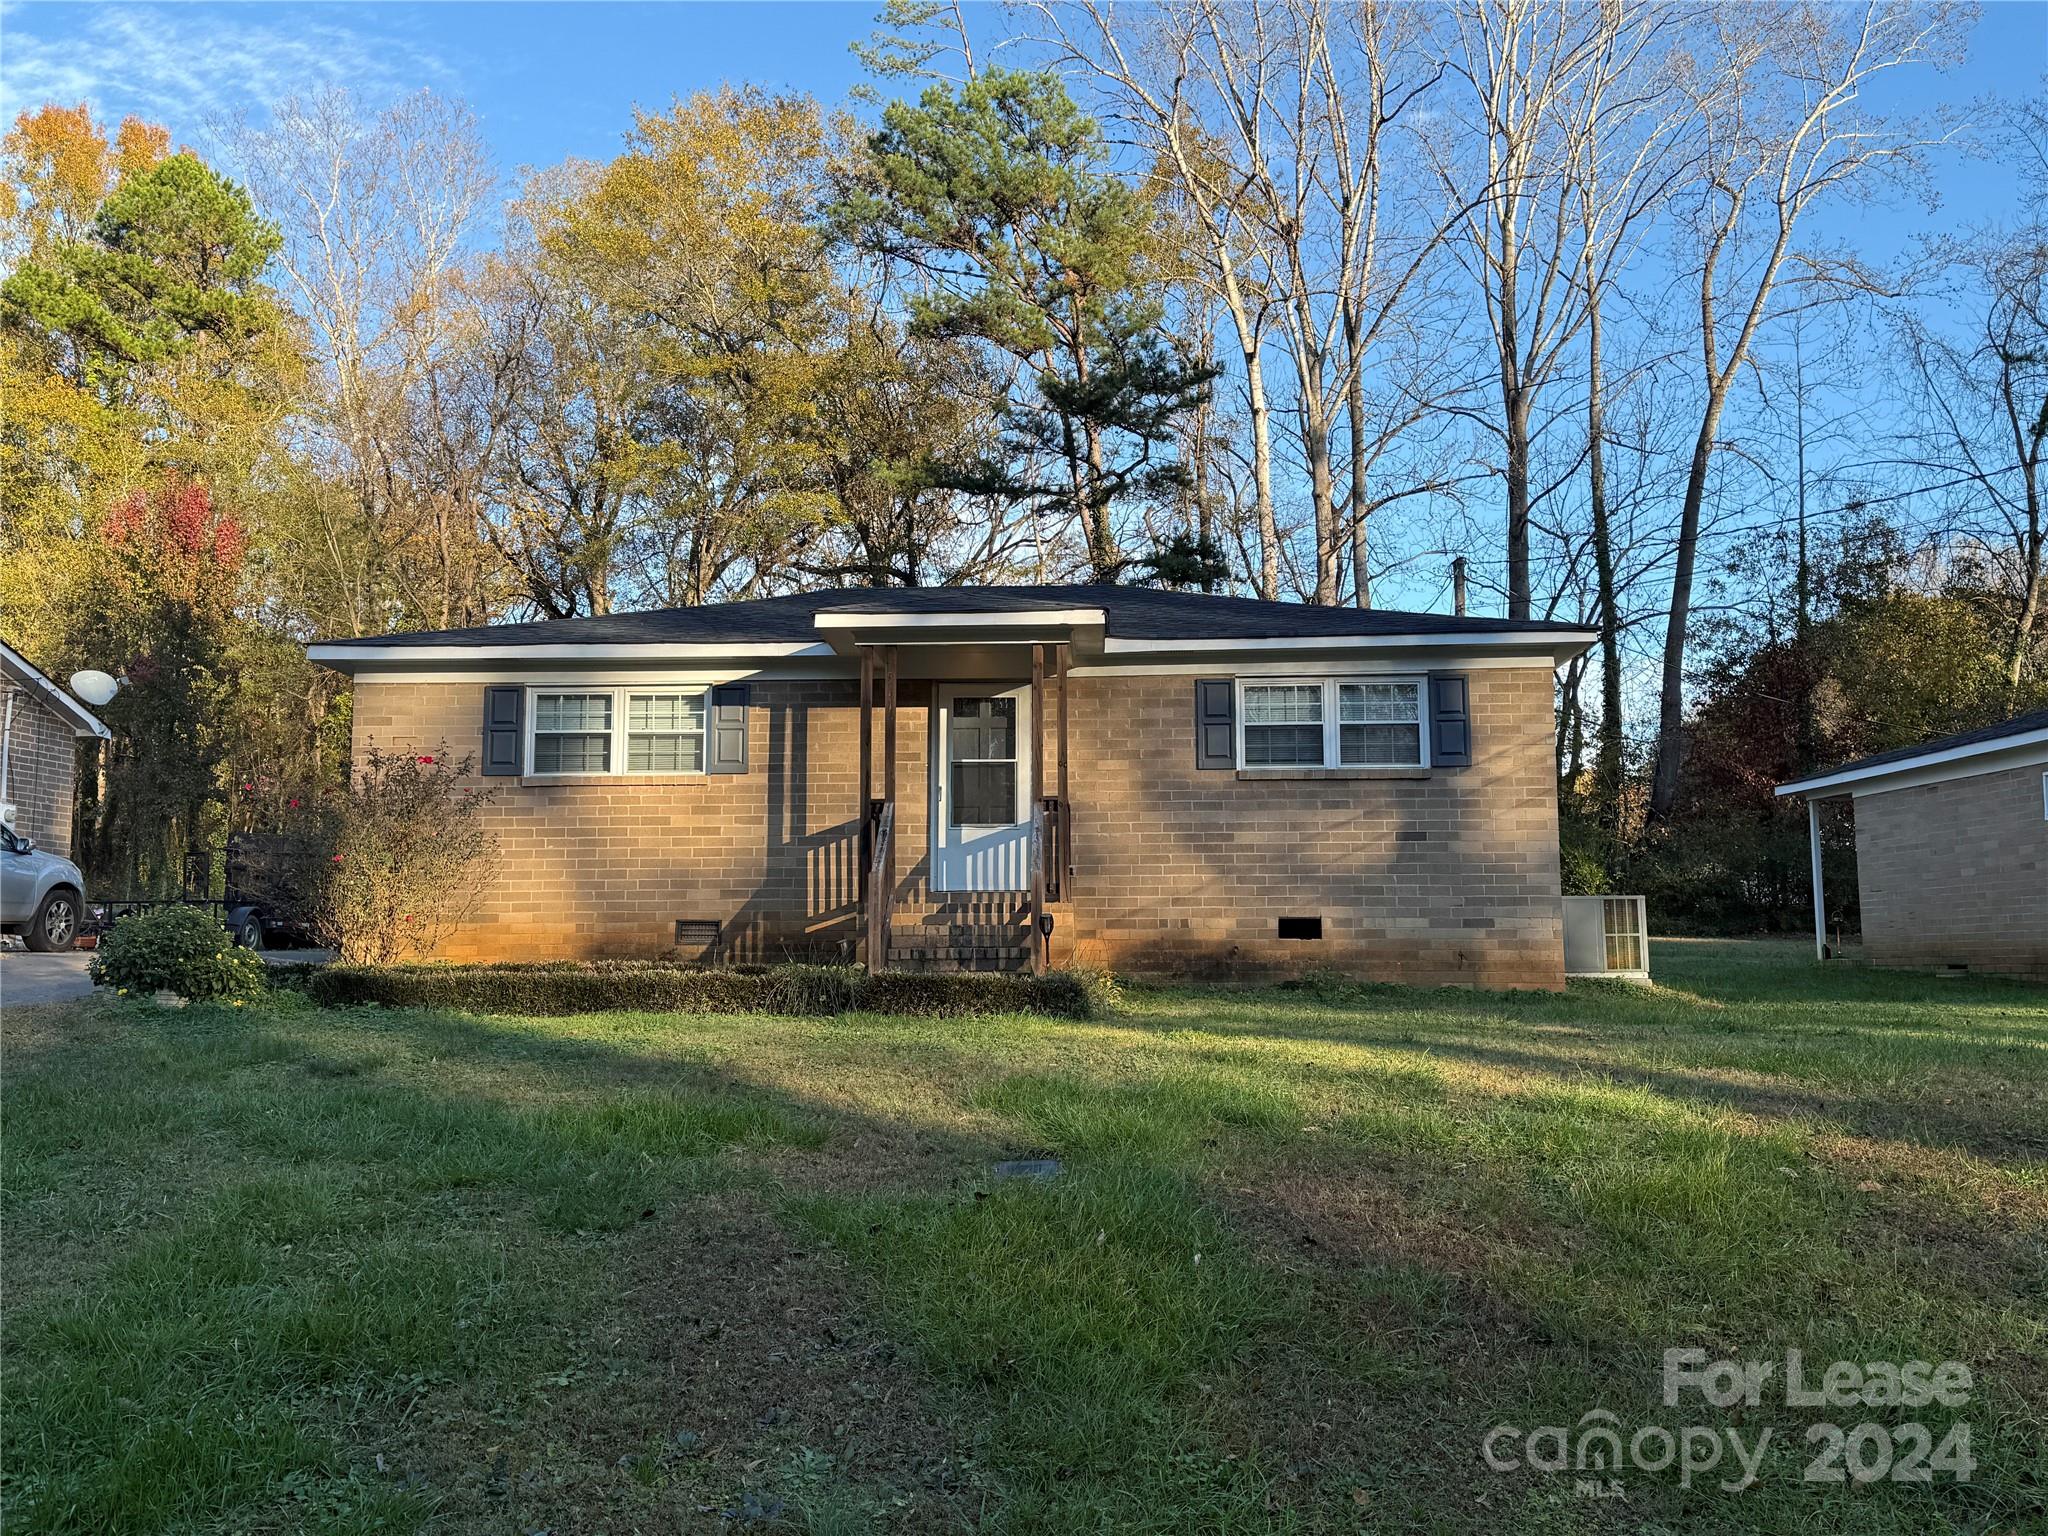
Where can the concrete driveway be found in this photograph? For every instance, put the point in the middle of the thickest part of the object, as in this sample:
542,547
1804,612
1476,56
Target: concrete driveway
26,977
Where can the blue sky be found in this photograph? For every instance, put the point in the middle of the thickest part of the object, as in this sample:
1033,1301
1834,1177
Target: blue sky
554,80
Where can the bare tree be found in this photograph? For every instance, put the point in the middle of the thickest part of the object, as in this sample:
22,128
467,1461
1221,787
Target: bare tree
378,209
1985,392
1779,99
1627,147
1508,162
1277,123
1150,63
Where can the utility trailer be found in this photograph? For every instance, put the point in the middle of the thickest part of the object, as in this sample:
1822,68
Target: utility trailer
262,903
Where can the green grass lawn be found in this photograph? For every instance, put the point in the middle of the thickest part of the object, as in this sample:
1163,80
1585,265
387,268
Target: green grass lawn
273,1269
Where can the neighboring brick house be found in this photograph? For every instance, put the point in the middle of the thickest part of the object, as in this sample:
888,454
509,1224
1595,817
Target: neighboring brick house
39,729
1951,848
1152,781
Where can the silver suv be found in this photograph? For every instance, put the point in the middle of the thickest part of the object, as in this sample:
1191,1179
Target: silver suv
41,896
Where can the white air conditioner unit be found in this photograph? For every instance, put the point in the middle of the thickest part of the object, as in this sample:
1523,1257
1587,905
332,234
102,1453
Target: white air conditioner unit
1606,936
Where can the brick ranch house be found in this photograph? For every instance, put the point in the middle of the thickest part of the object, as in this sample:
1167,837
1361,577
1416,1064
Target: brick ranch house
1951,849
1152,781
40,726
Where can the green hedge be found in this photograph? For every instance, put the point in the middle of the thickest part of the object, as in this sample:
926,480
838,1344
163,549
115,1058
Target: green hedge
563,987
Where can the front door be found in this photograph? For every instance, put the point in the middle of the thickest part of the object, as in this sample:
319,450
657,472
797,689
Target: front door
981,789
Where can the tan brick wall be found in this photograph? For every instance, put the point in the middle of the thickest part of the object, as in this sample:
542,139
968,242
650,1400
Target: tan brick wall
1957,873
42,765
1449,879
1453,878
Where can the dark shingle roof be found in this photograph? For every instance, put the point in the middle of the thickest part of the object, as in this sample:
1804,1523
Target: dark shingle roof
2018,725
1135,613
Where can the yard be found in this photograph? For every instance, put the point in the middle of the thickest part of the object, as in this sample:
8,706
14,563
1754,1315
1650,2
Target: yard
278,1269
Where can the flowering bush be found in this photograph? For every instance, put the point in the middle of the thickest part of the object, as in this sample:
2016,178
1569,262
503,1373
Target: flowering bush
175,949
410,855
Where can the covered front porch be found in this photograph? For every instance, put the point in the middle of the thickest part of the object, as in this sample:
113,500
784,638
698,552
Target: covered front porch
998,836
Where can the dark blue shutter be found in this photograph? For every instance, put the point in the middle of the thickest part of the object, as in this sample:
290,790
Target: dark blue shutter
504,740
1450,720
728,743
1215,723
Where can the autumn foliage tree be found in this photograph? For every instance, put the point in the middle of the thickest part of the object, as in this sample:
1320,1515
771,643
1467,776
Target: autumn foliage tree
161,612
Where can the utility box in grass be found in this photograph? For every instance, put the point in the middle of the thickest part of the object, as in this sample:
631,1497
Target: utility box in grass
1606,936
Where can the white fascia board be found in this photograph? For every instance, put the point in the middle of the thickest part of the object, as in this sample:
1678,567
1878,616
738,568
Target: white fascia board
1041,618
346,657
41,685
1555,648
1401,664
1925,768
1548,642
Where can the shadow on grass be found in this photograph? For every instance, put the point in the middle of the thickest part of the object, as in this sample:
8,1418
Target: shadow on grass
1215,1319
379,1213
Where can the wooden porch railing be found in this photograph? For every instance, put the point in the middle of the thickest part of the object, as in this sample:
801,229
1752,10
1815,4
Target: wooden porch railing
876,889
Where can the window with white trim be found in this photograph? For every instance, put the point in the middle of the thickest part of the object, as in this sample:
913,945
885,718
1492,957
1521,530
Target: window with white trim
572,732
579,731
1283,725
665,732
1379,725
1337,722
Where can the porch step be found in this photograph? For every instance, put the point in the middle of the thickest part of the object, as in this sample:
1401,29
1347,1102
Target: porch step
960,957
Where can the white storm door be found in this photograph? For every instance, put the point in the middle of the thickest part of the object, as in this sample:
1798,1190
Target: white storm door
981,789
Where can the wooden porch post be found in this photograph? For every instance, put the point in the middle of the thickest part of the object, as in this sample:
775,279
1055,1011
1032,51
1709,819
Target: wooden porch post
867,767
1039,828
888,895
1066,805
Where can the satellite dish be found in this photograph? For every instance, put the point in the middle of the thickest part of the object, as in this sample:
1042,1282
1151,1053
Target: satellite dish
96,688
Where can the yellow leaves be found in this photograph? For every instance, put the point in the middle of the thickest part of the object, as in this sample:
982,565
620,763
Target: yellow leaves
59,167
138,146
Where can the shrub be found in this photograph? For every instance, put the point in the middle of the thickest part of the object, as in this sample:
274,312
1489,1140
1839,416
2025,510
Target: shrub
653,986
177,949
411,853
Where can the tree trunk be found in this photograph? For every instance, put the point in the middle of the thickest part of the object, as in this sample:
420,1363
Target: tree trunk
1608,765
1262,472
1671,702
1322,489
1090,500
1354,401
1517,422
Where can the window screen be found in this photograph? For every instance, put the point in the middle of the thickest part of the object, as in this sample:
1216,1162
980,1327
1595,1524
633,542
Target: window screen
1379,724
1283,725
572,733
665,732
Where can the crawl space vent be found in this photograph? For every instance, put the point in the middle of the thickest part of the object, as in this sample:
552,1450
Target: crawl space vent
1301,927
698,936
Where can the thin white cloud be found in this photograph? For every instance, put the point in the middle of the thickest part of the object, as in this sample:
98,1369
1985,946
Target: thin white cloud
186,66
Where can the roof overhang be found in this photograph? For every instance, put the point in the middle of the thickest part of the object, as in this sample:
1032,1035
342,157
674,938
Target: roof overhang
1991,756
349,659
1082,628
18,667
1559,646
